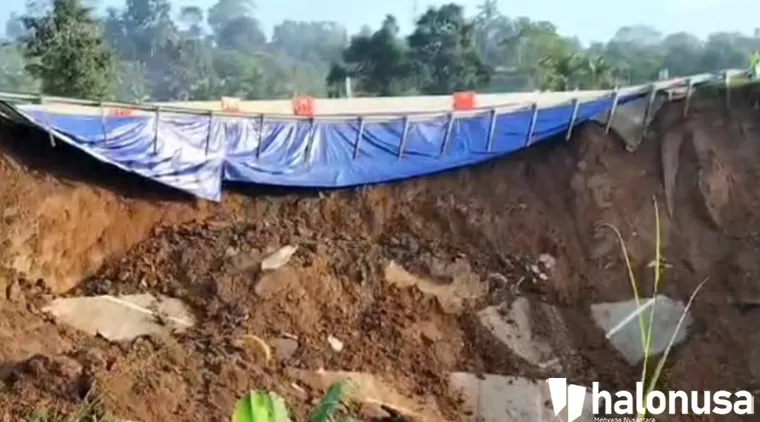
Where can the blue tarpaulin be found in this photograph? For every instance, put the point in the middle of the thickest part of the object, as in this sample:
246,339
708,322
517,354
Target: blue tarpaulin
197,153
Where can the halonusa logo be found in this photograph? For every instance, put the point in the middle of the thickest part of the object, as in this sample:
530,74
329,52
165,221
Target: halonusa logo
623,403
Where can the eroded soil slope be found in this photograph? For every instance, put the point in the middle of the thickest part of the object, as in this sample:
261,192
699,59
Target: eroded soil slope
468,227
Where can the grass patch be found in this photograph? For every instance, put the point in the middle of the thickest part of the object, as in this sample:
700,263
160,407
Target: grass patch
650,377
260,406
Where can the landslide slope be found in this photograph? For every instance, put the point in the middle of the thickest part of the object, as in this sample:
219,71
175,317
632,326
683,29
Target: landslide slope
70,222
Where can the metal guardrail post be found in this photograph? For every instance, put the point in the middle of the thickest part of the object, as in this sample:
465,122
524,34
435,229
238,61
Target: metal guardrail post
310,139
359,136
648,111
687,100
210,130
447,135
103,123
261,136
404,132
613,109
576,105
491,130
155,130
48,125
728,90
532,127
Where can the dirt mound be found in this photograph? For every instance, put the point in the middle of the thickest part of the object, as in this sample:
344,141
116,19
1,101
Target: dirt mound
482,229
64,214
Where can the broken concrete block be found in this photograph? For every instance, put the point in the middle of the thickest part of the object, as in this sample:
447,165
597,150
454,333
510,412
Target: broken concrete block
516,329
452,296
278,259
372,389
120,318
497,398
284,348
620,322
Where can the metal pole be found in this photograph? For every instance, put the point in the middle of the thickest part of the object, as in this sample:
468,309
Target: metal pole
404,132
310,141
48,125
491,129
573,116
532,127
359,136
648,111
447,136
103,123
349,87
210,129
613,109
261,136
687,100
155,134
728,91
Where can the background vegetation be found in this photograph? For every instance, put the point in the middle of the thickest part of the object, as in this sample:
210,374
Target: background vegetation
148,50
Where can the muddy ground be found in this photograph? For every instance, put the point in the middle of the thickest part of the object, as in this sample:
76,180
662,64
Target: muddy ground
72,226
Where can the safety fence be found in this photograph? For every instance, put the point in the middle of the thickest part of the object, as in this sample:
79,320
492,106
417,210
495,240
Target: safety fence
319,143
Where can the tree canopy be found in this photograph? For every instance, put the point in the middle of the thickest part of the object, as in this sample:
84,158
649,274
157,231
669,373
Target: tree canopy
148,50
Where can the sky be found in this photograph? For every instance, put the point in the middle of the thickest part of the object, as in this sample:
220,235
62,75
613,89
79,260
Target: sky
589,20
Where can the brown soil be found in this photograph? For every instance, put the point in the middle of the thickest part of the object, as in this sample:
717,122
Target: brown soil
61,229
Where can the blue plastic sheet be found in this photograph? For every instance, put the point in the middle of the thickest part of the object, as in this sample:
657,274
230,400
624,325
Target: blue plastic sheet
197,153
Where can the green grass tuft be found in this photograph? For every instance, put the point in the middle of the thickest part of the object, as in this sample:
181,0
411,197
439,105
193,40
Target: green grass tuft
650,381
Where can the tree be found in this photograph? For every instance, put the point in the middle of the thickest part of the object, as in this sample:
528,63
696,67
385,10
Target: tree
443,49
192,53
535,50
192,18
379,63
235,27
310,41
14,27
681,53
65,52
491,28
13,76
558,71
640,35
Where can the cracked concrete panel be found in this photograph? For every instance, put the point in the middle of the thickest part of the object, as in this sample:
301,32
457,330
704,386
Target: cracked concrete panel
120,318
373,389
628,120
516,327
620,322
498,398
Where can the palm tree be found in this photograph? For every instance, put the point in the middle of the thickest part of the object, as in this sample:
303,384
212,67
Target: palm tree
600,72
559,70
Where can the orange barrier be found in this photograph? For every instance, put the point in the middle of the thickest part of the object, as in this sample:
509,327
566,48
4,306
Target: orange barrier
230,104
303,106
464,100
121,112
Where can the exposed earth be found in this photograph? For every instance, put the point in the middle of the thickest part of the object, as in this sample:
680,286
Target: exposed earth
396,273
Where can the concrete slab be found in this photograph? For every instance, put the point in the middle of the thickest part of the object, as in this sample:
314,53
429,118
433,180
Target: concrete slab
120,318
452,296
279,258
515,327
498,398
373,389
620,320
629,119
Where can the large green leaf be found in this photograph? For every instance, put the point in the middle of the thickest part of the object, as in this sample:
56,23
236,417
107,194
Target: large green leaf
279,409
329,403
258,406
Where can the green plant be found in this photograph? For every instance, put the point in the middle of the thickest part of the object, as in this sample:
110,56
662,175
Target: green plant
258,406
646,329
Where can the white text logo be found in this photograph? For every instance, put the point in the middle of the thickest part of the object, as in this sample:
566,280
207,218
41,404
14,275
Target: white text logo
623,403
